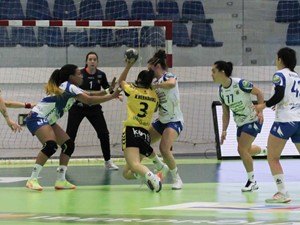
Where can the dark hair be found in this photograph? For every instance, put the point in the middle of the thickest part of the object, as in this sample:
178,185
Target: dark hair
288,57
145,78
59,76
227,67
87,56
159,58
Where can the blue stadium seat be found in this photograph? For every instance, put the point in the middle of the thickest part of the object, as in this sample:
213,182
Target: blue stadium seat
51,36
116,10
38,10
78,38
4,38
287,11
192,10
153,36
142,10
41,11
168,10
181,36
11,9
103,37
128,37
64,10
293,34
24,36
201,33
91,10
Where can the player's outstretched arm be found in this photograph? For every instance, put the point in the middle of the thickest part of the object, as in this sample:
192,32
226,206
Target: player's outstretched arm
93,100
16,104
13,126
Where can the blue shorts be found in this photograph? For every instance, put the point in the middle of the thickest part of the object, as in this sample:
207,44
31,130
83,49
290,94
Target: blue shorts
34,122
160,127
253,129
286,130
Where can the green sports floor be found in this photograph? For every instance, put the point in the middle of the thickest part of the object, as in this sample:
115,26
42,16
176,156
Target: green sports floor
211,195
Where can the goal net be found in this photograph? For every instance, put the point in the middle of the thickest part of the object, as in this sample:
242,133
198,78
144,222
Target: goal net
34,48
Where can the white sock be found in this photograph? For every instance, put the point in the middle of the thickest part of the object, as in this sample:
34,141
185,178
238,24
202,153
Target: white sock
61,172
250,176
174,172
149,175
157,162
36,171
279,180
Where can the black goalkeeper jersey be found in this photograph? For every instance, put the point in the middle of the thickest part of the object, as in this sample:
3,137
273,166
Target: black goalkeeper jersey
93,82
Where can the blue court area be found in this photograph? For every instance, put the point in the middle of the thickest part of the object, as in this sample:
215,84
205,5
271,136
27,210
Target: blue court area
211,195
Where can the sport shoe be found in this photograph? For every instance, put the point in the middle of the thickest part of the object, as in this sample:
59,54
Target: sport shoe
279,198
109,165
163,172
153,182
250,186
63,184
33,184
177,183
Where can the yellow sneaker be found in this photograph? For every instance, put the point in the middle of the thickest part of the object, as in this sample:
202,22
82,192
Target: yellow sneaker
63,184
33,184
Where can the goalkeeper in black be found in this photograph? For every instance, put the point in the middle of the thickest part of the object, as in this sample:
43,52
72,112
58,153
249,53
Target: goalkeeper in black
93,80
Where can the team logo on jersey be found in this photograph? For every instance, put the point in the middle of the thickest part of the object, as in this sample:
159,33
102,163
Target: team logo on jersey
276,79
246,83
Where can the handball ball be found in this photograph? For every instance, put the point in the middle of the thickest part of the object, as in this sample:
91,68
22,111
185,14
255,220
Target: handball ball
131,54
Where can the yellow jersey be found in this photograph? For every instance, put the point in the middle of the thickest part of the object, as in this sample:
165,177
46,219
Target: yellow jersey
142,103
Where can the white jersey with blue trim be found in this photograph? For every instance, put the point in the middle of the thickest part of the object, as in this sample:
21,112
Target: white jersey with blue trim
169,101
288,109
52,107
237,98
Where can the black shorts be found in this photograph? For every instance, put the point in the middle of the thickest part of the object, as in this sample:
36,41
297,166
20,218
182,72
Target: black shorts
137,137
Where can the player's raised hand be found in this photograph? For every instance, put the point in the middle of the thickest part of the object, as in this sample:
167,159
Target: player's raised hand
113,84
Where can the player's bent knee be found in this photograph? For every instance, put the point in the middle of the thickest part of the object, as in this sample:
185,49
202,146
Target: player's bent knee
68,147
49,148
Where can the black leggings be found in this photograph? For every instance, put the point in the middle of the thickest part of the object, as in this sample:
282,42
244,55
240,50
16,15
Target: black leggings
94,114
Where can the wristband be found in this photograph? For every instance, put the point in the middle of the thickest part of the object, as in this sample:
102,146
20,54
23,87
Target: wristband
27,105
107,91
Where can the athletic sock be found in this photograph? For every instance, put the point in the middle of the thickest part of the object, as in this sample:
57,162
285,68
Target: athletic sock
174,172
279,180
61,172
157,162
251,176
36,171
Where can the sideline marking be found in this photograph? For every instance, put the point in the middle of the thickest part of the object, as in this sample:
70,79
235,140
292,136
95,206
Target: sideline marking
229,207
6,180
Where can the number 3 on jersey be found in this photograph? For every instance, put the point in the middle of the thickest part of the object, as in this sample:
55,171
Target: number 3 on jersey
143,109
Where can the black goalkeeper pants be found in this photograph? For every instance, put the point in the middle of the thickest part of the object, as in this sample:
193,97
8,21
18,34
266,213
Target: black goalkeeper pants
95,116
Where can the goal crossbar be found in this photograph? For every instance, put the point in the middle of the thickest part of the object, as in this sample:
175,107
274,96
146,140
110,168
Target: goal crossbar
167,24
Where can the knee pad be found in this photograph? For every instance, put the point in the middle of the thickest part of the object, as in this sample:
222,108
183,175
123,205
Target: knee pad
49,148
68,147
